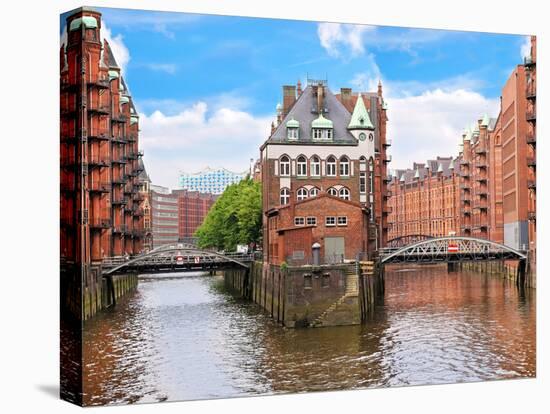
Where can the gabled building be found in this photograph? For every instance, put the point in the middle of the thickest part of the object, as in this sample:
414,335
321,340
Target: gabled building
321,145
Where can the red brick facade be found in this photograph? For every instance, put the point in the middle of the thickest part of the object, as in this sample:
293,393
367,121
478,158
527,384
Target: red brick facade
345,168
193,208
531,139
101,206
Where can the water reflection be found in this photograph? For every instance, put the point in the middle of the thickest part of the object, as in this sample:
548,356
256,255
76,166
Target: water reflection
186,338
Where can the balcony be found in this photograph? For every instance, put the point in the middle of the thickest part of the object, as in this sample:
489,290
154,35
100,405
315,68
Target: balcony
387,179
465,187
119,160
99,187
465,174
531,137
481,150
481,179
481,164
140,153
387,194
531,91
466,212
119,118
387,159
99,161
532,216
464,162
119,140
100,223
482,192
99,83
532,162
99,137
119,201
529,62
466,227
118,181
132,138
120,228
532,185
531,115
98,109
132,156
388,143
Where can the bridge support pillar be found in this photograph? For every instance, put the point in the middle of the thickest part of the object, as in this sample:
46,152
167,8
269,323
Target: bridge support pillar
452,267
520,276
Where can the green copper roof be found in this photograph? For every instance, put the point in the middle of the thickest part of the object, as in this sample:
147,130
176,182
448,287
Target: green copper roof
475,128
124,99
113,74
440,168
360,118
88,21
133,119
321,122
467,134
292,123
485,120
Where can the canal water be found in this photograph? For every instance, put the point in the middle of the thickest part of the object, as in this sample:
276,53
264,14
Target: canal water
182,337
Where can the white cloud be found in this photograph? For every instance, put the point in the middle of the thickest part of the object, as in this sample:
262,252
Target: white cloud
337,38
526,47
119,49
170,68
431,124
196,137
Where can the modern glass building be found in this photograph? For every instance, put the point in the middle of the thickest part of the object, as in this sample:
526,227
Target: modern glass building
210,180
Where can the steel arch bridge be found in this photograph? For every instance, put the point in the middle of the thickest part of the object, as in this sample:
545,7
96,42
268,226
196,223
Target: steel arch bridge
402,241
451,249
179,257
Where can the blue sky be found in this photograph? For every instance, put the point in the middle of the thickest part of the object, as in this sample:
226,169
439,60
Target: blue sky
206,86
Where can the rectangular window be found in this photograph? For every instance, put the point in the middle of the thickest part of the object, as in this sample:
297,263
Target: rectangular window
342,221
299,221
330,221
363,183
307,281
311,221
325,280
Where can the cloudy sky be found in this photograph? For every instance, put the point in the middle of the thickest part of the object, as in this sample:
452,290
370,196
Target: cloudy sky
206,87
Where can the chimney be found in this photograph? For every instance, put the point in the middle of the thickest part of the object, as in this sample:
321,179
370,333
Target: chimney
299,87
289,97
320,98
345,96
379,88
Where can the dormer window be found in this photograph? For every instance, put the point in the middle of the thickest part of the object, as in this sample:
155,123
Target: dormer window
292,133
321,129
292,130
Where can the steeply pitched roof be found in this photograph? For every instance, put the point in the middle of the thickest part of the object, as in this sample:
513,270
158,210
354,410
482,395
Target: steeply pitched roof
304,111
111,58
360,117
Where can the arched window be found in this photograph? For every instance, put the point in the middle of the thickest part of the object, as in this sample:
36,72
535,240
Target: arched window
332,191
285,196
331,166
344,193
315,166
344,166
301,194
302,166
314,192
284,164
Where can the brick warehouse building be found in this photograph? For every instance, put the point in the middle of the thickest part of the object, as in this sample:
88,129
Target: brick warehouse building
530,64
100,203
331,148
424,199
497,184
177,214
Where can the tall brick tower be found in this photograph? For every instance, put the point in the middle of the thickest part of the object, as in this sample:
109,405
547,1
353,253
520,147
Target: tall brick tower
101,212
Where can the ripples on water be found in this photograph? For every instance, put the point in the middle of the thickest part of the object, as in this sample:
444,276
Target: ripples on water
182,338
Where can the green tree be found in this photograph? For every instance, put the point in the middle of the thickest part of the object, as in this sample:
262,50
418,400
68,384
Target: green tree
235,218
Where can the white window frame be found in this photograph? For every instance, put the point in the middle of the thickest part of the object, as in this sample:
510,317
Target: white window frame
330,221
314,192
292,134
311,221
315,166
344,166
363,182
332,192
284,196
299,221
302,194
301,166
344,193
284,166
331,166
342,221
